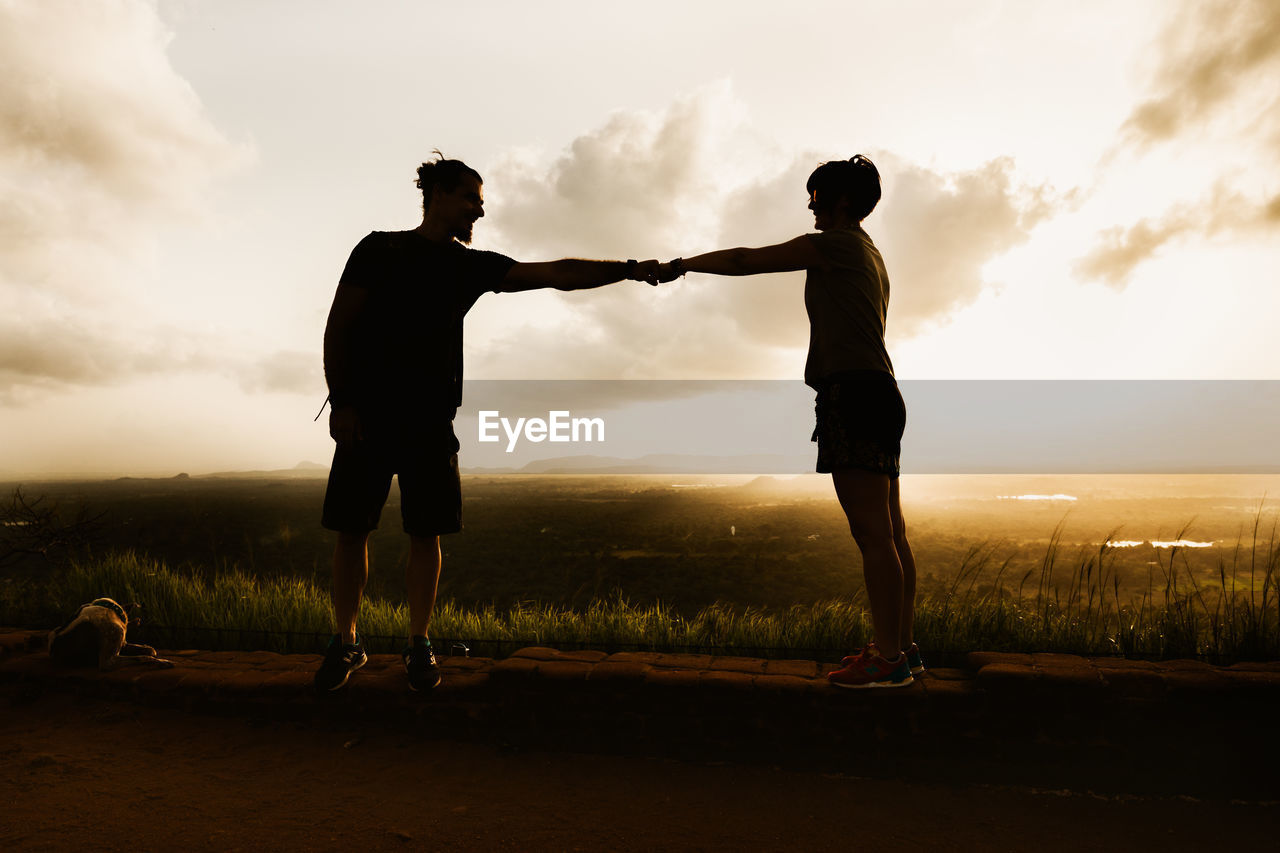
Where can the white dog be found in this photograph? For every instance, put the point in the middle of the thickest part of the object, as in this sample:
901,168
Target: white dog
95,636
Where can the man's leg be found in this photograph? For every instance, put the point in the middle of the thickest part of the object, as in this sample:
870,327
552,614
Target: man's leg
422,577
908,561
864,497
430,504
359,481
350,571
350,574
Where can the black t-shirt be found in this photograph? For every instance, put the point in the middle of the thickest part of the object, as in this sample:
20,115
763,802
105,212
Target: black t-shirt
407,351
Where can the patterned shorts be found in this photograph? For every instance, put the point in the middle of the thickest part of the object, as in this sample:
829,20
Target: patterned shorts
860,421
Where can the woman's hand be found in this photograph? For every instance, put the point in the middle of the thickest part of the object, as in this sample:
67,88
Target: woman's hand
670,271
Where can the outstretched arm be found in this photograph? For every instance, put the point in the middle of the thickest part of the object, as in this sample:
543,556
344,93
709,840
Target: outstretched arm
573,274
797,254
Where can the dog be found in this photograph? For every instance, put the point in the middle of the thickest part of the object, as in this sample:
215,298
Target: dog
95,636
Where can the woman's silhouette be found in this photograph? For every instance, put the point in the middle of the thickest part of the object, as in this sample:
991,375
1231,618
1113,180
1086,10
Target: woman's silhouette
860,414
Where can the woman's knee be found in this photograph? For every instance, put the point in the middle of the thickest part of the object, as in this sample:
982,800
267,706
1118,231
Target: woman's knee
870,533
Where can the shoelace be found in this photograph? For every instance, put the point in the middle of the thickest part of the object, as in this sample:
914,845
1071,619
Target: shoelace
421,654
865,652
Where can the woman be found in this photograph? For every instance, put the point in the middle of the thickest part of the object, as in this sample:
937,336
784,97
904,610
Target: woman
860,414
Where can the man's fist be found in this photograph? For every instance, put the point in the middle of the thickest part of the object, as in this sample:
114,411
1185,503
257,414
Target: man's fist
344,425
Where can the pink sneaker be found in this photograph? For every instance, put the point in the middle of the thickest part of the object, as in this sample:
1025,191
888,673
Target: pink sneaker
869,669
870,648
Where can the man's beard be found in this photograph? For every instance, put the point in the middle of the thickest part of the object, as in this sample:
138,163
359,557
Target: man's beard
463,234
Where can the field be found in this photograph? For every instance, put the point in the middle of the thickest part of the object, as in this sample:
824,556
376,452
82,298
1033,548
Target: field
688,543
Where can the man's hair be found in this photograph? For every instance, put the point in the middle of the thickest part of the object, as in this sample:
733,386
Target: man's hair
855,180
442,173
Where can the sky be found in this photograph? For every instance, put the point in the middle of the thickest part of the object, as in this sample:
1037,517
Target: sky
1088,191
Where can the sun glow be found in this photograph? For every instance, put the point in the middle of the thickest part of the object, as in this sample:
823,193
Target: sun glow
1158,543
1058,497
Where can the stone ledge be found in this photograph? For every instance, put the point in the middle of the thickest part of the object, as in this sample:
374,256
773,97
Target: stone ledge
542,653
1107,715
276,676
1120,678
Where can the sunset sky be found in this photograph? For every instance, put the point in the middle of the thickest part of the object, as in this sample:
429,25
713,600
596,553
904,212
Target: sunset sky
1080,191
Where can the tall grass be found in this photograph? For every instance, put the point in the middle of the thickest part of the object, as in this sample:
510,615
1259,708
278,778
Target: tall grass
1072,606
1078,608
235,610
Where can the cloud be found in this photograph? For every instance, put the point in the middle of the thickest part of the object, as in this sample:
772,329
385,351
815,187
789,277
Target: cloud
940,229
53,352
699,177
1213,55
49,353
641,183
935,229
1122,250
1218,63
101,143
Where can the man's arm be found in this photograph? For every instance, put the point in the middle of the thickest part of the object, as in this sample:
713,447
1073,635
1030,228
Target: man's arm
797,254
348,304
573,274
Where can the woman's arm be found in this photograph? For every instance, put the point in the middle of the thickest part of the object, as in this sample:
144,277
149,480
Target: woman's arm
797,254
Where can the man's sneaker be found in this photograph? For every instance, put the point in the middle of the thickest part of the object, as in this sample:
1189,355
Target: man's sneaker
340,660
870,669
915,661
420,664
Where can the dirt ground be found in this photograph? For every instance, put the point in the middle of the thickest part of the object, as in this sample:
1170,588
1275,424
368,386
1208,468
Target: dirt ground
87,775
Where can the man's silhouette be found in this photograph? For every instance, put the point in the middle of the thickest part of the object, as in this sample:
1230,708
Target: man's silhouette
393,361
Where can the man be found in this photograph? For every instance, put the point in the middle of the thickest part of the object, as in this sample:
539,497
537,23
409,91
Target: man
393,361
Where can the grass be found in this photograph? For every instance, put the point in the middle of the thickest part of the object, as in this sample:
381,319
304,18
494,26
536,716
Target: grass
1072,606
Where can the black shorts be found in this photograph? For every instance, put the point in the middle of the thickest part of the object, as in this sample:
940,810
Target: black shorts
860,421
425,461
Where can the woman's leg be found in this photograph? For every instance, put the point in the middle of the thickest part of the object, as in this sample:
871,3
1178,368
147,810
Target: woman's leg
908,561
865,498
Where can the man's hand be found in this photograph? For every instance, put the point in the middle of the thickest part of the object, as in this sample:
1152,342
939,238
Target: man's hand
646,271
344,425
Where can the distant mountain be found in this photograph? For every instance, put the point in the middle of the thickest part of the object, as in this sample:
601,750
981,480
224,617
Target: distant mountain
296,473
670,463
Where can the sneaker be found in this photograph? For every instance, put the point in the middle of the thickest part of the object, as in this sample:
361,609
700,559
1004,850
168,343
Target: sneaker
420,664
914,659
870,669
858,654
340,660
